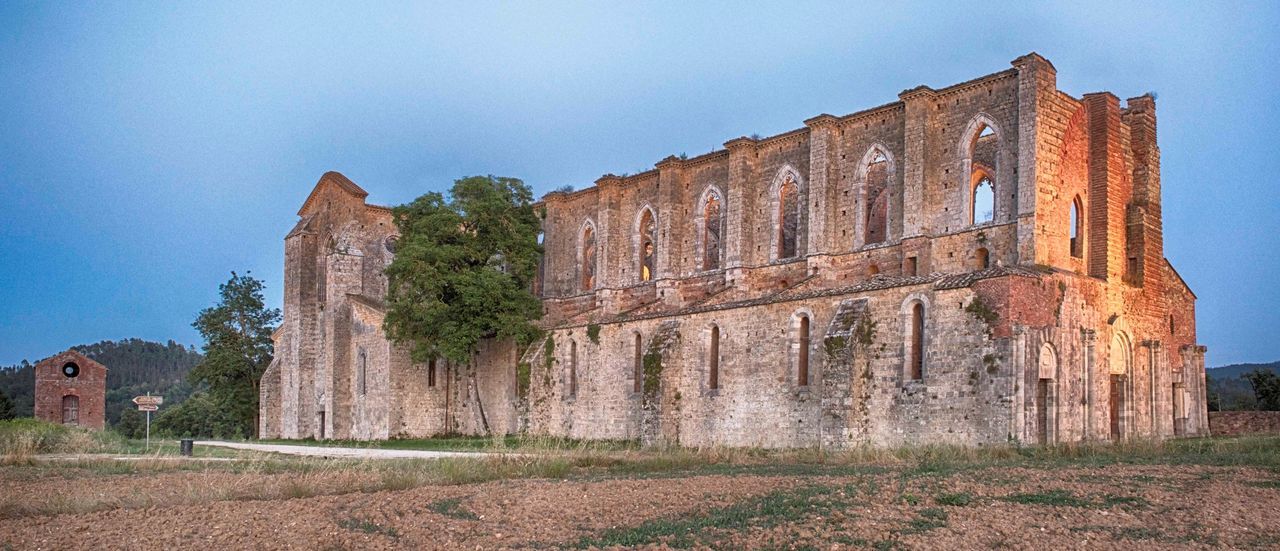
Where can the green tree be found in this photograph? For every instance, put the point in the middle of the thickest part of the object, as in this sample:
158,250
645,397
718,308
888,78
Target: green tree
237,350
132,423
1266,387
463,272
6,407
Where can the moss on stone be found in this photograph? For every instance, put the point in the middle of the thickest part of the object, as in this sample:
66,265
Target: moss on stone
524,372
593,333
980,310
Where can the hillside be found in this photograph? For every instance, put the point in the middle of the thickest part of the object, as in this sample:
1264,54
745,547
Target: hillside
1229,391
134,367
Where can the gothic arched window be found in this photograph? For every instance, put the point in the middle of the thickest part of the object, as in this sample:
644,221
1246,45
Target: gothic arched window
712,218
648,245
788,217
588,267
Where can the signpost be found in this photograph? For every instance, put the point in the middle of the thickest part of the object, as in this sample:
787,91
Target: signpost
148,404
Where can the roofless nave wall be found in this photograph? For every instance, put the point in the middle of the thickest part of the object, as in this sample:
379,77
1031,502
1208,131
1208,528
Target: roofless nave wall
972,264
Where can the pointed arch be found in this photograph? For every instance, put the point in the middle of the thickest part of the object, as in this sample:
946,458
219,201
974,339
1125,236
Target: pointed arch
875,176
710,221
787,193
646,243
983,151
915,317
1076,228
587,256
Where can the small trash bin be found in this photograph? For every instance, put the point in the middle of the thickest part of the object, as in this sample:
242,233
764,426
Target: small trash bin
185,446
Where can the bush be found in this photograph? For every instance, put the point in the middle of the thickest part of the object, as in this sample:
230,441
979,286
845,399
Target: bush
199,416
22,438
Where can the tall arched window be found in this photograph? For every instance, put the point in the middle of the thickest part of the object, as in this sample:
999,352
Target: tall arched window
588,267
980,146
788,217
802,357
361,371
647,244
638,367
713,359
876,225
712,218
915,338
983,199
431,373
1077,243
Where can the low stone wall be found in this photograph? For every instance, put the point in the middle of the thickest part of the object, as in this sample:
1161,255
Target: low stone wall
1234,423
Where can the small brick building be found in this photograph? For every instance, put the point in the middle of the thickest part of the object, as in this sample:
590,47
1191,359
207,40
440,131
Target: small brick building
71,390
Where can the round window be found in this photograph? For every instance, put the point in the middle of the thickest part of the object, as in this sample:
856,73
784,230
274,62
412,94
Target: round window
390,243
70,369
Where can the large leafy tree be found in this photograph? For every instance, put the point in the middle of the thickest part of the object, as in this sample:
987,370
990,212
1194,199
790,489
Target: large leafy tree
237,349
1266,387
463,271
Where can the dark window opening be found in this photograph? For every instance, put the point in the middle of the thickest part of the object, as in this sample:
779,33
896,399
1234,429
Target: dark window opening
638,368
713,359
431,374
917,342
910,268
1077,243
982,256
573,368
802,375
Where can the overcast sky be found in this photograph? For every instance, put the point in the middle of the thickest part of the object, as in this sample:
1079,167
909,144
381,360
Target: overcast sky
149,149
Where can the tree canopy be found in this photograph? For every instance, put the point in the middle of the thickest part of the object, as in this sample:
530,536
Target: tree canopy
237,350
1266,388
464,269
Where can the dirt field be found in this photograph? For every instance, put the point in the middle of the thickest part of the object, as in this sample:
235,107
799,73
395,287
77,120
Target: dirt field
1224,497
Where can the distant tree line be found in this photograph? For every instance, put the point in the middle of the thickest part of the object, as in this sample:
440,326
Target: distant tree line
1244,387
135,367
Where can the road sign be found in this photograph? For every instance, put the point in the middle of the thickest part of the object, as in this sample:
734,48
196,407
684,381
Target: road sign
148,400
148,407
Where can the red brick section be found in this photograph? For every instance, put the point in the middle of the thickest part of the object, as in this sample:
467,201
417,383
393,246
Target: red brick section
1235,423
90,387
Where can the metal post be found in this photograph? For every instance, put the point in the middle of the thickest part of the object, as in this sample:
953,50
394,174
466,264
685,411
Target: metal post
148,431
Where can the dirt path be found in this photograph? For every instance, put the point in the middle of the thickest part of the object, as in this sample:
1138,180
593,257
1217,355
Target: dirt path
345,453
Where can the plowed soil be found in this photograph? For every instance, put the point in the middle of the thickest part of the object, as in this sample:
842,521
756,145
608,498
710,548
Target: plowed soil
1113,507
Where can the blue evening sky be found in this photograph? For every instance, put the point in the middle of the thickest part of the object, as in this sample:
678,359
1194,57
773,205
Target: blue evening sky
148,149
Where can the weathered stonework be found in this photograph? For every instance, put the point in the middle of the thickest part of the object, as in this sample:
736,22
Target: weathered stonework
905,315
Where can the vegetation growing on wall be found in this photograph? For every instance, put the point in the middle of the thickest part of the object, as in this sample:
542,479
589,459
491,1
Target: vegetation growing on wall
979,309
593,333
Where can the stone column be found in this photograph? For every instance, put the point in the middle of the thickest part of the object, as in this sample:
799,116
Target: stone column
1088,338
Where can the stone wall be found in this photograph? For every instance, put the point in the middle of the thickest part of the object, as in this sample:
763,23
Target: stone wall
1237,423
1022,339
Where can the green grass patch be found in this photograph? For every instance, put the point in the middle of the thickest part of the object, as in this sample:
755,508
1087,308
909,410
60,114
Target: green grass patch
702,529
1052,498
368,527
960,499
452,508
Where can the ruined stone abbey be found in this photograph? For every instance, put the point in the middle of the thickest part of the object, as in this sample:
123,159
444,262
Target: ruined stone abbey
980,263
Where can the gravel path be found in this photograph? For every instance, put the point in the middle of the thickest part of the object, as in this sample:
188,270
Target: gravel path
353,453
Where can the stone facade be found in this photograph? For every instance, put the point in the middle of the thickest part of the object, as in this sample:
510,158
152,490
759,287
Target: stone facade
976,264
71,389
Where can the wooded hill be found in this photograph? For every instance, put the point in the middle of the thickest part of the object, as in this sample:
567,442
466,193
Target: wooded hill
1230,391
134,367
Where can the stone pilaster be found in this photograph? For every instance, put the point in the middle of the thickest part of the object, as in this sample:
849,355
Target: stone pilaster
737,238
824,145
1037,82
915,135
